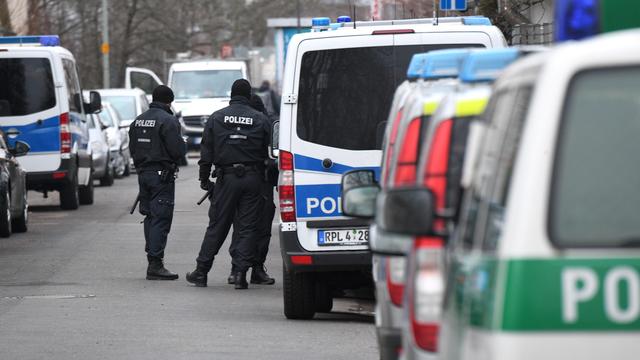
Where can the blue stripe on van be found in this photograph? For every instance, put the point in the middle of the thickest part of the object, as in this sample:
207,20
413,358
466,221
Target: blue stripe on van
302,162
44,137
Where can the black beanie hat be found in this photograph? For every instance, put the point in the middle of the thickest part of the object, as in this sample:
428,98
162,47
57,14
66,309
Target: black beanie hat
163,94
241,87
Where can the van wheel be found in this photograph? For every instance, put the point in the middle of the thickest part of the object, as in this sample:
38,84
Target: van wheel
324,300
20,224
85,193
5,213
69,195
299,295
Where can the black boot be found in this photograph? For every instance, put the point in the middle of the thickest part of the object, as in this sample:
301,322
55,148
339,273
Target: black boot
198,277
157,271
259,276
240,280
231,280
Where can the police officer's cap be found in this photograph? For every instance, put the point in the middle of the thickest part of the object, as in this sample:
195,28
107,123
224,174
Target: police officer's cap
241,87
163,94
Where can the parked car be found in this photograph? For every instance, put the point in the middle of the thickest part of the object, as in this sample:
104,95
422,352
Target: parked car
41,104
14,207
117,140
102,167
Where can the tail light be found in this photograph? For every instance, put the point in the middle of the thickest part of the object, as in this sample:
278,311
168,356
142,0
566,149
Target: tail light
396,278
408,155
427,292
435,177
286,190
65,134
390,145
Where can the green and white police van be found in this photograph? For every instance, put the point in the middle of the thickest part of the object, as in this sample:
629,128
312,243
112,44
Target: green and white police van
546,261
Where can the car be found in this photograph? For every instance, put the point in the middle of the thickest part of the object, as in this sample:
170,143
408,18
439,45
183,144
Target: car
102,166
337,91
547,258
14,206
41,104
118,144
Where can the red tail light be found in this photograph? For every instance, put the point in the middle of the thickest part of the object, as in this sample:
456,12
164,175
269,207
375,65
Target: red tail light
65,134
435,177
427,291
286,190
396,278
407,158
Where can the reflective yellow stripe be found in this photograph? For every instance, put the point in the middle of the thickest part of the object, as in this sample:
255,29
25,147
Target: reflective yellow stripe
470,107
429,107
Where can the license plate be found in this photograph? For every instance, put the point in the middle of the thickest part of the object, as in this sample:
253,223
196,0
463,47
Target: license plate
349,237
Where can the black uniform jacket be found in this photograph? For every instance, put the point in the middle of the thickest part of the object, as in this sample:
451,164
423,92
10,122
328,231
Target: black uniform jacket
237,134
155,141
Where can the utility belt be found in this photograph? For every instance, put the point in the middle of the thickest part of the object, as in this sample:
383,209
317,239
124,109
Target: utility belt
166,175
239,170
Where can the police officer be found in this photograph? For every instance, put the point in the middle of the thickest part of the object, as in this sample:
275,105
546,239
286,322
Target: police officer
156,146
235,140
263,237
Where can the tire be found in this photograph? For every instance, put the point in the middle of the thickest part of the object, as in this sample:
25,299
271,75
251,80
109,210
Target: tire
108,178
5,213
299,295
20,224
324,300
69,199
85,193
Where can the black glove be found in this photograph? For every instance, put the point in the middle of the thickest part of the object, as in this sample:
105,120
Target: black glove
205,184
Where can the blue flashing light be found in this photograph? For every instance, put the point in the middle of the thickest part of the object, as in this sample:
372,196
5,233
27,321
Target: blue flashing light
486,65
443,63
344,19
576,19
416,65
476,20
320,22
44,40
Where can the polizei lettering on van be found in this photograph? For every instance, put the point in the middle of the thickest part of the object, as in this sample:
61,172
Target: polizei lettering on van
241,120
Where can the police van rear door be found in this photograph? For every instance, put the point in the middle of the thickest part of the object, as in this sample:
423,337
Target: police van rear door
29,110
141,78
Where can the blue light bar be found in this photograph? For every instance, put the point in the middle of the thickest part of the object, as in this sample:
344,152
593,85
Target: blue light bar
416,65
486,65
476,20
344,19
44,40
576,19
320,22
443,63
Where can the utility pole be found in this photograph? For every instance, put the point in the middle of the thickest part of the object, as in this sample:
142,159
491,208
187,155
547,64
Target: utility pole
298,14
106,75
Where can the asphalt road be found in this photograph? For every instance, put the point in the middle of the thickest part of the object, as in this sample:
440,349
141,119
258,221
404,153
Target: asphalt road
73,287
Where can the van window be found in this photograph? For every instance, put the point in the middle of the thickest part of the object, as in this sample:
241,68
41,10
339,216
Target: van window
595,198
204,84
345,94
72,85
143,81
27,86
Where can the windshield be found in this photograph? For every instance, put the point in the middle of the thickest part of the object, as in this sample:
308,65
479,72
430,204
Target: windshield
345,94
27,86
595,198
204,84
125,105
105,117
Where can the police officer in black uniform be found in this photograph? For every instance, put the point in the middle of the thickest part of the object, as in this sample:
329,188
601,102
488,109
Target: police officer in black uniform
235,140
156,146
263,236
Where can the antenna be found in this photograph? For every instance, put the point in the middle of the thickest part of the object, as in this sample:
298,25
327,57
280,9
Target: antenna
354,17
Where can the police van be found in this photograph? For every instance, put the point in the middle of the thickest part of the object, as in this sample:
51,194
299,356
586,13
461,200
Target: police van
41,104
337,90
546,263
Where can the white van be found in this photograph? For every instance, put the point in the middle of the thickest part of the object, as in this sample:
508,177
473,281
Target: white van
337,92
41,104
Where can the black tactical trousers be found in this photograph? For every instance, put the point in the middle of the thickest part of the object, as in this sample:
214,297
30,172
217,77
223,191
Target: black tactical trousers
263,234
236,200
156,204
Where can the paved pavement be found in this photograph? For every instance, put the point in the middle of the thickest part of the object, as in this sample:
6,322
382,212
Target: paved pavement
73,288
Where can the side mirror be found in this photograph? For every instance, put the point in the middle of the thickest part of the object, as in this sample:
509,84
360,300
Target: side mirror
407,211
95,103
275,139
20,148
359,193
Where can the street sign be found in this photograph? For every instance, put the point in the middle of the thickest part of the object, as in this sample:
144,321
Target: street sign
455,5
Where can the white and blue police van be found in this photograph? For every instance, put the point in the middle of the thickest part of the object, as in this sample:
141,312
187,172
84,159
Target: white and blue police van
338,86
41,104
